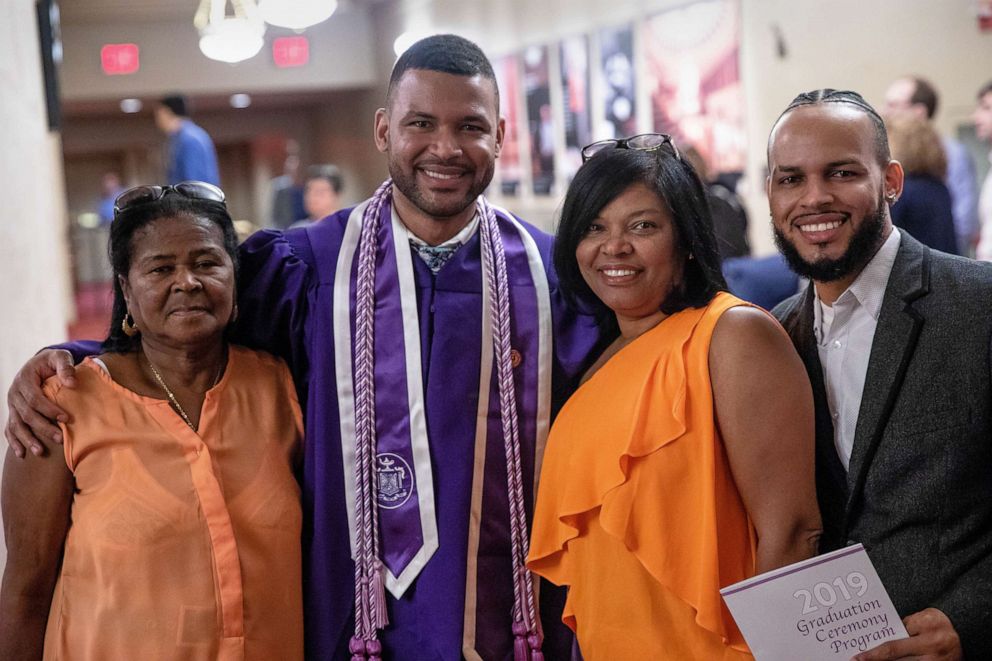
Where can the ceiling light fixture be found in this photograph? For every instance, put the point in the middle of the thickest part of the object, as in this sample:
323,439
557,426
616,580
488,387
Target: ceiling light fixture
131,106
296,14
229,38
240,100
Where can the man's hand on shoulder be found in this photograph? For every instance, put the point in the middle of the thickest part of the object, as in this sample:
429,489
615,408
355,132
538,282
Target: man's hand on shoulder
931,638
32,415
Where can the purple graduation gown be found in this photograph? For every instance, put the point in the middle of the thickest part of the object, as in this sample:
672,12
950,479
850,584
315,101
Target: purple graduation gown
285,301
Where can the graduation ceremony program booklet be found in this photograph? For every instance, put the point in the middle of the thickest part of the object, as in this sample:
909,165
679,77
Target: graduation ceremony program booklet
825,608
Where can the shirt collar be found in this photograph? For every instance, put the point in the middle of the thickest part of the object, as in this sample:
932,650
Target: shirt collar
869,287
464,235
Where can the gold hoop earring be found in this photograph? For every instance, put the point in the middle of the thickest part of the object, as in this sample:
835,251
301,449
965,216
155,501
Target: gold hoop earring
128,325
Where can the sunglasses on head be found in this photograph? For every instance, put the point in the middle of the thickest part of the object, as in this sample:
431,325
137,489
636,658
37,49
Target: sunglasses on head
642,142
194,190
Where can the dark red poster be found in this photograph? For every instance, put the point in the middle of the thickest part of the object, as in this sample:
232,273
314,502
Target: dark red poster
692,56
508,79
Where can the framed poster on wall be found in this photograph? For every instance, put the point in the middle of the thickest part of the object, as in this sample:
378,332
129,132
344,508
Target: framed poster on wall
692,62
616,59
508,80
573,54
540,120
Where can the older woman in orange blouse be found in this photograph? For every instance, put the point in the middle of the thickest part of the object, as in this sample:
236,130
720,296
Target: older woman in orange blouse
168,525
684,462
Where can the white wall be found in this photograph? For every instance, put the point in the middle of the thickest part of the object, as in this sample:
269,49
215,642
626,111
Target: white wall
853,44
33,257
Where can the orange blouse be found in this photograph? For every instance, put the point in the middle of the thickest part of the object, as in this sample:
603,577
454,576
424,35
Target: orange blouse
182,544
637,510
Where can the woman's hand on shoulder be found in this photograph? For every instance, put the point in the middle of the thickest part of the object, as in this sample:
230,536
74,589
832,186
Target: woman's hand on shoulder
764,411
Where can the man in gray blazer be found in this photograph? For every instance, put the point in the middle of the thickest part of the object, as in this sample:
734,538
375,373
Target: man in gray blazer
896,340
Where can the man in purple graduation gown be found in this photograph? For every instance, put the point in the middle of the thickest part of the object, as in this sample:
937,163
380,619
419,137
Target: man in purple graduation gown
443,498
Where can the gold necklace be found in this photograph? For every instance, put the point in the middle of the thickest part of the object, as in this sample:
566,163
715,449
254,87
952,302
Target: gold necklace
172,397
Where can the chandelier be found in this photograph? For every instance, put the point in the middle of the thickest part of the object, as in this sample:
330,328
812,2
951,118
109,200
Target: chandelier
296,14
229,37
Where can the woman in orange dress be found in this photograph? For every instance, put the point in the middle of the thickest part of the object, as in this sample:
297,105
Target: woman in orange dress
684,462
168,525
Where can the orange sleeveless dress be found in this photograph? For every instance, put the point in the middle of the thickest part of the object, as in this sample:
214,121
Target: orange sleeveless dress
637,511
183,544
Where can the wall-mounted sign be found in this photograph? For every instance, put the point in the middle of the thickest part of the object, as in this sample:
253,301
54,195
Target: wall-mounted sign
290,52
119,59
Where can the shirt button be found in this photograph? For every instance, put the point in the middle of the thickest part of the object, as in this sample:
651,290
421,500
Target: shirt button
837,344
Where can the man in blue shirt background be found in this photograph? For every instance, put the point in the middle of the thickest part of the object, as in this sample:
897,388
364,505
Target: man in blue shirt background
192,156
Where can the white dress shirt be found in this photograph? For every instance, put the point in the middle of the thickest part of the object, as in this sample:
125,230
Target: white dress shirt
437,256
844,334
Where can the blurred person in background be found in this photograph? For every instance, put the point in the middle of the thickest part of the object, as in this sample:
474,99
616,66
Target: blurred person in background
983,130
110,188
321,193
924,207
914,97
286,191
668,474
168,523
764,281
190,152
729,216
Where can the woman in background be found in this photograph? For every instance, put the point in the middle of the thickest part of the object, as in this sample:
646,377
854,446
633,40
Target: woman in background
684,463
924,208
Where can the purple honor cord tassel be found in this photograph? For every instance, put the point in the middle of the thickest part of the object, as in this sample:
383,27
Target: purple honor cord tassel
526,630
379,595
370,599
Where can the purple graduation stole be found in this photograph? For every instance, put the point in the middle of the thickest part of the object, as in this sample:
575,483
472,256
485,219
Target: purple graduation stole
390,501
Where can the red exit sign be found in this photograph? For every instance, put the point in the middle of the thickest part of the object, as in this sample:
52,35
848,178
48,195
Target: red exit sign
119,59
290,52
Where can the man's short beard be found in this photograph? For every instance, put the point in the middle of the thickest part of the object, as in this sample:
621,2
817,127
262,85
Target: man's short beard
863,246
406,183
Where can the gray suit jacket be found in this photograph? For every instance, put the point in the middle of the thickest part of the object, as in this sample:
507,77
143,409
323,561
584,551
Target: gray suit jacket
918,493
